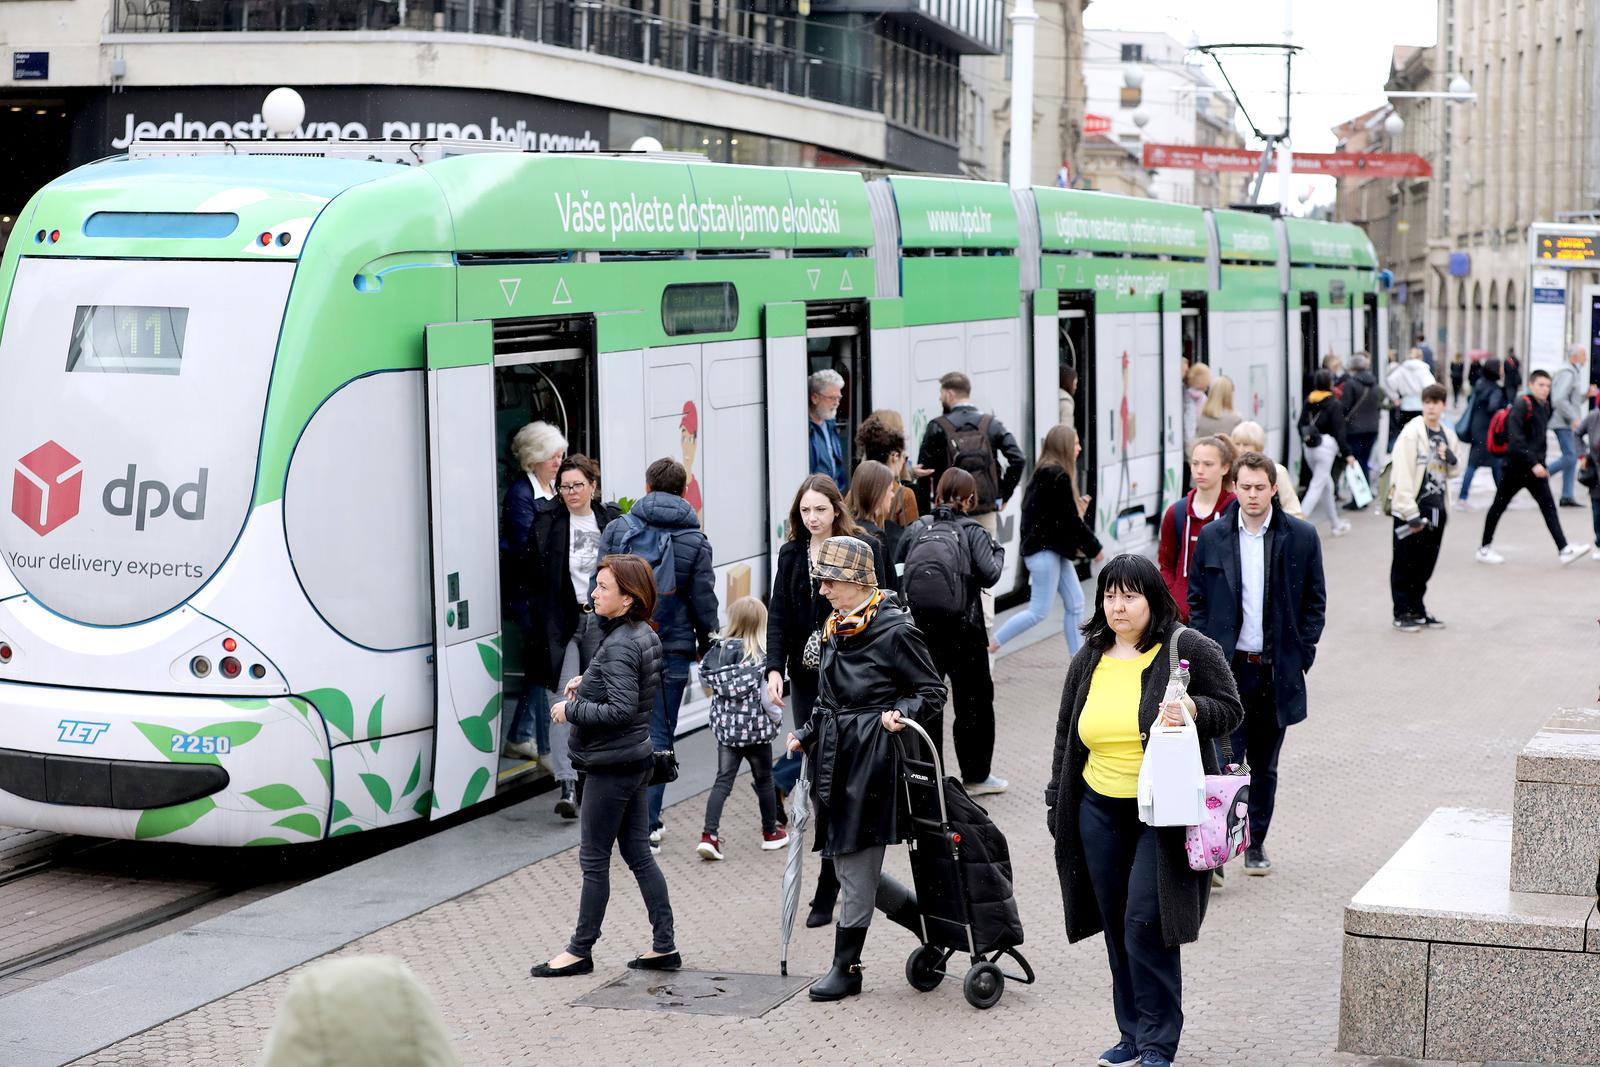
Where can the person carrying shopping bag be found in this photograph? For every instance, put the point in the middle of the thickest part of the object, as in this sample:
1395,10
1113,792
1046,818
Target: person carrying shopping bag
1119,876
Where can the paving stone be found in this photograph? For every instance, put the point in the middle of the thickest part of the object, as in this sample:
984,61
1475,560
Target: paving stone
1400,724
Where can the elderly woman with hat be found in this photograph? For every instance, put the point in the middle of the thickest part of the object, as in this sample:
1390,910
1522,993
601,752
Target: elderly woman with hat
876,674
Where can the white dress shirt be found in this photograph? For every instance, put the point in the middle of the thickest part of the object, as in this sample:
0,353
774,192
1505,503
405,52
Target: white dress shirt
1252,585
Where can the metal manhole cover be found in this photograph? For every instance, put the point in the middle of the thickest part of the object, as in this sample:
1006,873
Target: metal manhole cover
748,996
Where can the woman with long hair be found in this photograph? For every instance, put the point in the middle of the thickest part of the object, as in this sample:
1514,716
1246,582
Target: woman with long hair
1216,414
871,502
796,612
1118,876
1055,539
882,436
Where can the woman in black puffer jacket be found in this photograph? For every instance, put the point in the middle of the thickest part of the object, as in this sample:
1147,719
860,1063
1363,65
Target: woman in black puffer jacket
609,708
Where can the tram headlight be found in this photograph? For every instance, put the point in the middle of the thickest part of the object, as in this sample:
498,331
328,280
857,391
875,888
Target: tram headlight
229,667
5,652
257,671
200,667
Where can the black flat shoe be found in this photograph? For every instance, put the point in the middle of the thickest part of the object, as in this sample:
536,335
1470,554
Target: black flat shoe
670,962
544,970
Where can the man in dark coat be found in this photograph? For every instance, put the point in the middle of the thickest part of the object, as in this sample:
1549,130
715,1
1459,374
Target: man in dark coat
1257,590
664,522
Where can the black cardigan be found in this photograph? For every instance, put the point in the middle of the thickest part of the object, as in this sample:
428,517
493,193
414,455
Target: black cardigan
1050,519
1181,892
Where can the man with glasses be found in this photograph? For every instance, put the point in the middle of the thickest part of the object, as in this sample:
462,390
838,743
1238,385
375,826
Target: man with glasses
827,451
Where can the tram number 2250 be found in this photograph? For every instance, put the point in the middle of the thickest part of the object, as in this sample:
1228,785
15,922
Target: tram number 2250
194,744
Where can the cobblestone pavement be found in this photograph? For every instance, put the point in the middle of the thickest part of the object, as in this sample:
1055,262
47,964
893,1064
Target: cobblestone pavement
1400,724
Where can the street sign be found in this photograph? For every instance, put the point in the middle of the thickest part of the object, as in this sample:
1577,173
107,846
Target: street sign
1246,161
1565,247
30,66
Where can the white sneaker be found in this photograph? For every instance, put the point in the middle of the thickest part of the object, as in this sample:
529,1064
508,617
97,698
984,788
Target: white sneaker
1571,553
526,750
1341,529
1465,505
990,784
1595,555
1487,554
655,835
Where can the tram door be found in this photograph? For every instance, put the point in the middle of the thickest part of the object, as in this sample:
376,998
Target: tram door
1310,361
1194,342
1075,350
544,371
1370,330
465,561
836,340
788,432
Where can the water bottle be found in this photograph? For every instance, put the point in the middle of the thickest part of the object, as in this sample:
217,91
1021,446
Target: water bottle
1177,685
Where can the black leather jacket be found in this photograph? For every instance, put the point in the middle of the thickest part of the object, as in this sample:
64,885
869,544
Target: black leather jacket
854,762
610,714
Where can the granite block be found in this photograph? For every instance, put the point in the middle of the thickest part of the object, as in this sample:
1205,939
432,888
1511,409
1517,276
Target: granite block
1447,883
1555,839
1566,750
1512,1004
1383,997
1592,941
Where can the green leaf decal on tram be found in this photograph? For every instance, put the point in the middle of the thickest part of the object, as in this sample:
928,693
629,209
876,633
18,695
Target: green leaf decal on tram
248,704
266,841
277,797
325,768
158,822
479,733
375,723
491,659
301,822
423,802
475,787
347,828
341,811
237,733
379,790
334,706
165,739
416,776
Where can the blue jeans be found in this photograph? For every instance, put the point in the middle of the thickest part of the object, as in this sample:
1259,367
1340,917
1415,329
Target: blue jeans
1466,478
1048,575
664,719
531,718
1568,463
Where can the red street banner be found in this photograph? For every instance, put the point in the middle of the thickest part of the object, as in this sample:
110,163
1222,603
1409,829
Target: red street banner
1093,124
1244,160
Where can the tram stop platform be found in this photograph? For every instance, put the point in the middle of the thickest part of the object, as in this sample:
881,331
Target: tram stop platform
1400,725
1480,938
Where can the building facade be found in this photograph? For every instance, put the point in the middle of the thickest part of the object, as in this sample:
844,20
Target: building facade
1059,99
783,82
1179,101
1524,151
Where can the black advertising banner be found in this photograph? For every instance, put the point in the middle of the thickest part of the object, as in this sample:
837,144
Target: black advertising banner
108,124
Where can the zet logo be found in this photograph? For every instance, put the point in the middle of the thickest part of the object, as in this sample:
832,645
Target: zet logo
77,732
46,487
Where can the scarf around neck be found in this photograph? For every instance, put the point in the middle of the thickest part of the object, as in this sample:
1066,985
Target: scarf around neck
853,622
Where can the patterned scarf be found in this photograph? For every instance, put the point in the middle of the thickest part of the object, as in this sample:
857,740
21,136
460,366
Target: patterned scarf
853,622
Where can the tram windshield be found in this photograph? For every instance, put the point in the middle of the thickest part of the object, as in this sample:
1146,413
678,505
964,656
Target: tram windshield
132,418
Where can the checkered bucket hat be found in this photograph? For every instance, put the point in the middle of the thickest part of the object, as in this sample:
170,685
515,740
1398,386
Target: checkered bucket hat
846,559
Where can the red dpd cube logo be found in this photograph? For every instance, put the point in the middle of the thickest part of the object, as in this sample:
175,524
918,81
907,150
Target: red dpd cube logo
45,487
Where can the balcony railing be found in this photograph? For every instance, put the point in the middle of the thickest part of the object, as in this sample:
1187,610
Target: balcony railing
761,54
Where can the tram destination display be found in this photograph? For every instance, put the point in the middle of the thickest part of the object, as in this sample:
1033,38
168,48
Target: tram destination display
712,307
127,339
1566,248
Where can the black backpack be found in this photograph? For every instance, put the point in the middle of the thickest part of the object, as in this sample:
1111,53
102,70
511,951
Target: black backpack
937,566
972,450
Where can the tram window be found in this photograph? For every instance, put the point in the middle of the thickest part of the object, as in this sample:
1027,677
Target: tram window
711,307
127,339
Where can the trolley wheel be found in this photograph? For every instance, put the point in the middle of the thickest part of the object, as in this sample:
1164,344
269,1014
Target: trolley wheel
925,968
983,985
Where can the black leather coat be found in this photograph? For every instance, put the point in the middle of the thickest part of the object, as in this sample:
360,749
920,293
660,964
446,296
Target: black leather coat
854,760
610,715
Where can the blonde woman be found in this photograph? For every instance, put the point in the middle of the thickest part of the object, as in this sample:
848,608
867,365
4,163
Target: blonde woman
1196,382
1217,415
1054,538
1250,437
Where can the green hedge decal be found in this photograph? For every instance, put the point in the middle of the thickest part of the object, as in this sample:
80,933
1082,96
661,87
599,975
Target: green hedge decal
277,797
336,710
154,822
475,787
379,791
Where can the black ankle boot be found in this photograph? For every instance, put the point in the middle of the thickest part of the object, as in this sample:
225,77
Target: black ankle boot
567,806
844,979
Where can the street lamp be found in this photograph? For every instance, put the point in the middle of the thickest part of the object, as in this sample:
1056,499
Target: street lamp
1133,76
1394,124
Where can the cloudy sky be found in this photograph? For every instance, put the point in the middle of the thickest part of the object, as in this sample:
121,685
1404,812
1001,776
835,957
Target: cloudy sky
1339,74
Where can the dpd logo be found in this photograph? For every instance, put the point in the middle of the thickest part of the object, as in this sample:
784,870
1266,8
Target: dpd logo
45,488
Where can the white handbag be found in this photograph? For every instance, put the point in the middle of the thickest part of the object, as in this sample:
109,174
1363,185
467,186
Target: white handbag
1172,780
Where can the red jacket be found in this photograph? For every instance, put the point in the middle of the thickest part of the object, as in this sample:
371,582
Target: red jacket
1180,527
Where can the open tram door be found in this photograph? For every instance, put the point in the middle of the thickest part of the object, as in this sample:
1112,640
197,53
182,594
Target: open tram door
1075,349
788,438
463,507
836,339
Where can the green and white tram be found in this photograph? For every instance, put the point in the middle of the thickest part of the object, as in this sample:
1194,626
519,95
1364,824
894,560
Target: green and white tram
259,409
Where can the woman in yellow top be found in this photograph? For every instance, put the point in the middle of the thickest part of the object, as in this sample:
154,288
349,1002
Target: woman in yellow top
1118,875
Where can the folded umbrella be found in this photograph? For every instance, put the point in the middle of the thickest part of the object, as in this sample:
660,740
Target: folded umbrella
799,815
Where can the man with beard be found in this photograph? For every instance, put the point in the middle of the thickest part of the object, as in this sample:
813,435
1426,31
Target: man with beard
827,451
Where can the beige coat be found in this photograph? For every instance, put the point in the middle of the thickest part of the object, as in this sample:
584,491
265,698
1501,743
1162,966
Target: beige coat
1410,459
1286,494
1207,426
